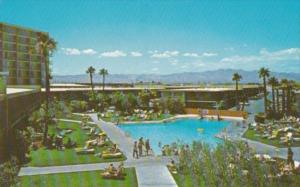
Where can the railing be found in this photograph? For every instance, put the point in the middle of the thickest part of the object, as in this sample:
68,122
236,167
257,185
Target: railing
227,113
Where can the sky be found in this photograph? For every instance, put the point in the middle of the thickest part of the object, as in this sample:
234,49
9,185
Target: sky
163,37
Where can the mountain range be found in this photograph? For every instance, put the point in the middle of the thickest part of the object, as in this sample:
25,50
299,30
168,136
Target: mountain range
216,76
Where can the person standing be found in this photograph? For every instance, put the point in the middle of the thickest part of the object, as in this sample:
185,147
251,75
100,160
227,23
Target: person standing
140,146
147,145
135,150
290,155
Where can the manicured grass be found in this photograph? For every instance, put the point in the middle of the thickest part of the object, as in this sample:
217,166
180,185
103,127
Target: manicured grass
46,157
75,117
251,134
84,179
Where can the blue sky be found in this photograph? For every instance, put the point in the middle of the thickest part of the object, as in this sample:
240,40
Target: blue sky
165,36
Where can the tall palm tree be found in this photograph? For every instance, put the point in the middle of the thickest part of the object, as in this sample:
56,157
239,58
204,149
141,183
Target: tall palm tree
284,83
91,70
277,97
273,82
46,47
103,72
264,73
236,77
290,86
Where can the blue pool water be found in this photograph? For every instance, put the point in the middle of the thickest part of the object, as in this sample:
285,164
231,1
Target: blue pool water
183,130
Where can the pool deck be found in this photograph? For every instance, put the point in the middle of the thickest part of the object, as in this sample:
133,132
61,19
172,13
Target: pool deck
182,116
152,171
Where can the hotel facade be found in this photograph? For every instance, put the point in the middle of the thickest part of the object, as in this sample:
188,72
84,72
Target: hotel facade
20,56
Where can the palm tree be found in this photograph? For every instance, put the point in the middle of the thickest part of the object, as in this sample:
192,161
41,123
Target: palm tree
91,70
273,82
46,47
290,86
236,77
284,83
103,72
264,73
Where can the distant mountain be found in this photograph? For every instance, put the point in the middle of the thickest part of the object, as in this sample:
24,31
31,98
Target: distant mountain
216,76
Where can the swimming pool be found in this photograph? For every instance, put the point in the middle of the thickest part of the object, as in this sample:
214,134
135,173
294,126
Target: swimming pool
183,130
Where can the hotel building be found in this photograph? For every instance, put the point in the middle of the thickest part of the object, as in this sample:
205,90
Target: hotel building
20,56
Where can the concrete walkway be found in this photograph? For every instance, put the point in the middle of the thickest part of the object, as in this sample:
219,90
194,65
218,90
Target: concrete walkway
154,175
116,135
146,161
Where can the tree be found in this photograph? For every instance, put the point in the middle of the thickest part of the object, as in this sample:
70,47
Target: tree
78,106
133,102
236,77
103,72
273,82
284,85
145,96
91,70
290,85
46,47
117,100
264,73
103,101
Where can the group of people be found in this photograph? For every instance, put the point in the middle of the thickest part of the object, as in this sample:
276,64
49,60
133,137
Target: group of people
56,141
112,172
139,146
98,141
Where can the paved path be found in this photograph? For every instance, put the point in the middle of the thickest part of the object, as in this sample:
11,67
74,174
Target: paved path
116,135
154,176
146,161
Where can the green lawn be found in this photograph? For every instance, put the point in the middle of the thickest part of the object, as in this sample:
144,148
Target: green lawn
79,179
75,117
250,134
46,157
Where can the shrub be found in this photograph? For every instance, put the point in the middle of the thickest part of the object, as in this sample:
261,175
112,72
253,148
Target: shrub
9,173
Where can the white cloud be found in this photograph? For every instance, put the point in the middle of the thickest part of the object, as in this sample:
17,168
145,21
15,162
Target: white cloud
183,66
174,62
89,51
113,54
75,51
71,51
266,56
207,54
154,69
190,55
155,62
165,54
136,54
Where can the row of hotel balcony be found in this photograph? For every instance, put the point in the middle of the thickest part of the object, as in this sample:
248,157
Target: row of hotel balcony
23,81
14,47
20,56
17,31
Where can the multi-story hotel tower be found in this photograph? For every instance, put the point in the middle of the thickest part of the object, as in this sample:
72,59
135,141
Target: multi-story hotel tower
20,56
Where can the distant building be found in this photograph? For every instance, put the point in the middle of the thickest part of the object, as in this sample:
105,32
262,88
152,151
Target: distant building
20,57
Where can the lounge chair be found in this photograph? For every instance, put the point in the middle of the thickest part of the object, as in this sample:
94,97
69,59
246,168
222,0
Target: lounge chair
84,151
111,155
118,176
